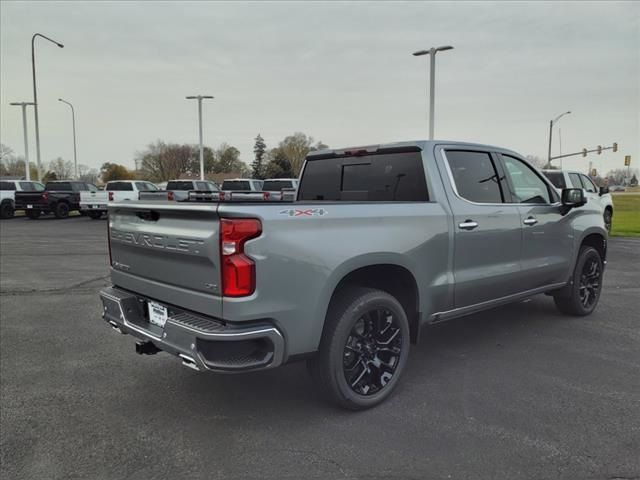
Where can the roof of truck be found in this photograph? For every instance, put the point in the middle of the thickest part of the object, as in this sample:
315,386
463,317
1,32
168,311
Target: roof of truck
421,144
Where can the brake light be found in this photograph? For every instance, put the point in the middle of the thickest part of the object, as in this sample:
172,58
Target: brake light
238,271
170,196
265,195
111,196
45,196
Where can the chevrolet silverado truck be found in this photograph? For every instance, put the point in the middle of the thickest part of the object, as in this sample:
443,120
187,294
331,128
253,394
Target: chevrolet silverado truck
178,190
8,189
598,195
380,242
58,197
94,203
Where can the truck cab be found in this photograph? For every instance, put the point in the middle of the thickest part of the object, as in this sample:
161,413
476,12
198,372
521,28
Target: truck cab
8,189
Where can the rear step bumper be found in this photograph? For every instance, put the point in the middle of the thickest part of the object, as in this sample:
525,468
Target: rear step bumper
203,343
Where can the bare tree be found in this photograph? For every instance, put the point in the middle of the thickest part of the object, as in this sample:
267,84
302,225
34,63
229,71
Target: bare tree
62,168
296,147
6,152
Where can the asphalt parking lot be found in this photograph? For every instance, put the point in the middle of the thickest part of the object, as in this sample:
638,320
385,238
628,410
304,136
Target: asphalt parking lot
518,392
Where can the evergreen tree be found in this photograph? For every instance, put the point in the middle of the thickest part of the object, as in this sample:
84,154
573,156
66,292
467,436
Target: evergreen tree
259,149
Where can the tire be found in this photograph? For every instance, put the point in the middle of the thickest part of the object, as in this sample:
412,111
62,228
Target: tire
95,215
61,210
32,214
581,297
6,210
608,218
357,340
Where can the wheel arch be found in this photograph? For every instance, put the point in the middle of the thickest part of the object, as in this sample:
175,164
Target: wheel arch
392,277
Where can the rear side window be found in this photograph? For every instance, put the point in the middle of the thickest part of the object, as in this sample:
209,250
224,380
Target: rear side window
475,176
8,185
59,186
236,185
556,178
146,186
276,185
375,178
182,185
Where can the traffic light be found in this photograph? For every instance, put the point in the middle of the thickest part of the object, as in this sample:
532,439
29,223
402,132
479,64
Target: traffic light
615,147
584,152
599,149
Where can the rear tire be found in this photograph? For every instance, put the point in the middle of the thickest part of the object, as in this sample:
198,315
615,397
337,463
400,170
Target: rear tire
6,210
581,298
61,210
363,350
32,214
95,215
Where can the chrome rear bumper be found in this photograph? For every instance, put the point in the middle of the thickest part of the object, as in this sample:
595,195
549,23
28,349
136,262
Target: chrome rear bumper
203,343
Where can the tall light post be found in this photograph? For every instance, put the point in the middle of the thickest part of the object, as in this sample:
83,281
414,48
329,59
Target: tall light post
35,92
432,79
551,124
199,98
24,128
73,122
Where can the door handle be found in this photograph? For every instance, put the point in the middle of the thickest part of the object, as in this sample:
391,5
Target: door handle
468,225
530,221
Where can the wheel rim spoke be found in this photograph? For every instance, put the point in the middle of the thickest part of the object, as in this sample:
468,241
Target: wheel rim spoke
372,351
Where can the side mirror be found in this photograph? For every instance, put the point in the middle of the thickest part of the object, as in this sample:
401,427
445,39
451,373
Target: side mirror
604,190
572,198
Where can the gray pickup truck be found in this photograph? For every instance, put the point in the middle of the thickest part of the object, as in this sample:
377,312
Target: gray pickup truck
380,241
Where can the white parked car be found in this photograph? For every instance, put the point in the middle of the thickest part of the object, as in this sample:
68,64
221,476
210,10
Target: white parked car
572,179
94,204
8,189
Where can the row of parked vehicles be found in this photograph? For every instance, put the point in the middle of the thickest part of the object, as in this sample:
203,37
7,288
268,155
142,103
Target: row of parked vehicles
62,197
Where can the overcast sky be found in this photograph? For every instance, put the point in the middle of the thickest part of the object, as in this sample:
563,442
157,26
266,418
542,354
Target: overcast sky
340,72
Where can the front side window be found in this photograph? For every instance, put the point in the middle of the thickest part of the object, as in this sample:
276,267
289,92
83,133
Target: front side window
59,187
92,187
202,186
556,178
588,184
574,178
475,176
526,186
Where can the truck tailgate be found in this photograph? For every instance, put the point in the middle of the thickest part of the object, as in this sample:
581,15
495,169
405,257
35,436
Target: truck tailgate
168,251
94,197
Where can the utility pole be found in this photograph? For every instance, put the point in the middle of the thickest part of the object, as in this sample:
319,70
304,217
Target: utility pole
551,124
73,122
35,94
199,98
24,129
432,80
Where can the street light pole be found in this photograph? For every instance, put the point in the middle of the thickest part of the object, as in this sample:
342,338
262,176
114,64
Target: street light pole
551,124
24,128
199,98
73,122
432,80
35,92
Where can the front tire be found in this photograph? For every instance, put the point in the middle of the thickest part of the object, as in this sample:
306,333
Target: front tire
364,348
581,298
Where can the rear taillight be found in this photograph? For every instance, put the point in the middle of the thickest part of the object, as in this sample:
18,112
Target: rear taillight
265,195
111,196
170,196
45,196
109,239
238,271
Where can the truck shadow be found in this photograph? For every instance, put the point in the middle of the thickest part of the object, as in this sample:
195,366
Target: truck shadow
290,388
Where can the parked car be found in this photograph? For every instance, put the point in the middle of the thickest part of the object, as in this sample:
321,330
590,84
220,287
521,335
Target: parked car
59,197
8,189
178,190
600,196
380,241
617,188
94,203
281,188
